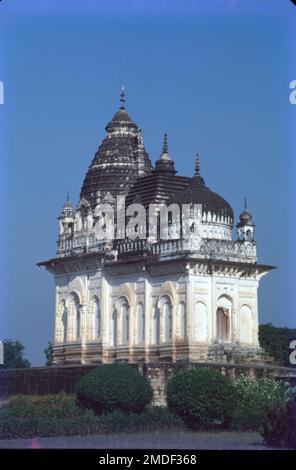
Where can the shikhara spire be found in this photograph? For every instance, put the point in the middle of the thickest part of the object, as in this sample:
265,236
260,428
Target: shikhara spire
122,98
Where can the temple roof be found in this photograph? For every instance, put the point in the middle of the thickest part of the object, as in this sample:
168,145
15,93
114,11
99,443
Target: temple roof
119,161
197,192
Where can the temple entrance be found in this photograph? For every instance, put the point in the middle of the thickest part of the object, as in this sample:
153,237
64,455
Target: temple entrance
223,327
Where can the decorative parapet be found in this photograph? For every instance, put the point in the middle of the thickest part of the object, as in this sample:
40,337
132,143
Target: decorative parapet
206,248
81,244
227,250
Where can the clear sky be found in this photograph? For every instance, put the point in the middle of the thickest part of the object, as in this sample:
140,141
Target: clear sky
213,74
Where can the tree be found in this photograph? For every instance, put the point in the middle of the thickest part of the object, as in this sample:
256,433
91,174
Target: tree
276,342
14,355
48,351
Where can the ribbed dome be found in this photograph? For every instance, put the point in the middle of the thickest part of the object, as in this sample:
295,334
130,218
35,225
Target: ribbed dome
118,162
245,218
198,193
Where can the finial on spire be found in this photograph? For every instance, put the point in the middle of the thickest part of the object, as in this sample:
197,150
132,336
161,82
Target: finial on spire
245,203
197,165
122,98
68,196
165,148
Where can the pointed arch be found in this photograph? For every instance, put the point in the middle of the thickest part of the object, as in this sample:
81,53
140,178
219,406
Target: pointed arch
224,317
123,316
73,308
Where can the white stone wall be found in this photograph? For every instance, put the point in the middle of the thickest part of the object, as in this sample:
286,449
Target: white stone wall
187,306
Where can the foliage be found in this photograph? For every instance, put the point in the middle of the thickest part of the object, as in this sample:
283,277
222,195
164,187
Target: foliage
276,342
155,418
46,415
204,398
53,415
257,398
279,427
14,355
48,351
59,405
114,387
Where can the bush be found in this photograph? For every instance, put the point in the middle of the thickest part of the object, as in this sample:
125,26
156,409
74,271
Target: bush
114,387
48,415
58,405
203,397
257,398
156,418
279,427
57,415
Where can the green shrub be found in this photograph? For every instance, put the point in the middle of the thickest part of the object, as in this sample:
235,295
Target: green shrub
30,416
154,419
58,405
114,387
257,398
21,419
279,427
13,426
203,397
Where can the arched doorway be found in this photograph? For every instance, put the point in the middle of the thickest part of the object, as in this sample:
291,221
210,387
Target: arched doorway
224,319
222,325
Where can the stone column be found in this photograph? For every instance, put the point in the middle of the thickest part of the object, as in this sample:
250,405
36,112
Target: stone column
189,306
213,310
106,317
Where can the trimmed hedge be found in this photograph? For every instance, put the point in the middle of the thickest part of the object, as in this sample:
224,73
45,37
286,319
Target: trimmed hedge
114,387
204,398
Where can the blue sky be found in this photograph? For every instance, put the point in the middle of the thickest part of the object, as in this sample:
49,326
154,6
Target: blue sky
213,74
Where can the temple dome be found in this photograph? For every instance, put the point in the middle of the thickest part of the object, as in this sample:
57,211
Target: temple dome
119,161
198,193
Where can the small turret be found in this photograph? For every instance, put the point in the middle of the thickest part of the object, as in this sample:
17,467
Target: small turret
66,220
164,163
245,227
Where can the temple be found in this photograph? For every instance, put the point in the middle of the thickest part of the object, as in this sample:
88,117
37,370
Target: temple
170,296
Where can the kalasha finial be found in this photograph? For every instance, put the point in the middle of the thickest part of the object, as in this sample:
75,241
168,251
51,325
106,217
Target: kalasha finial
165,147
245,203
68,196
122,97
197,165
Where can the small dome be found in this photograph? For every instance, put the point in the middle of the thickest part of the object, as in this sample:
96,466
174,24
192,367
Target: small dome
245,218
198,193
164,163
67,210
119,120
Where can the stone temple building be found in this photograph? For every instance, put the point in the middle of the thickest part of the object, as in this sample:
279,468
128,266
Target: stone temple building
153,299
